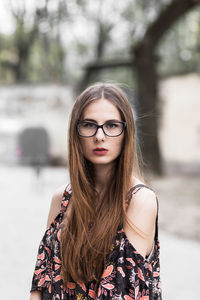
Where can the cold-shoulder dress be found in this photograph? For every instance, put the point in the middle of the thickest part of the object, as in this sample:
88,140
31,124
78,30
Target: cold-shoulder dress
127,274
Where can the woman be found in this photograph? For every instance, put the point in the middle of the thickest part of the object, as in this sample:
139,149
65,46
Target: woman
102,235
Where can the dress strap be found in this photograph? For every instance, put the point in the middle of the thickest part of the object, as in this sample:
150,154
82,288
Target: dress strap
134,190
137,187
66,197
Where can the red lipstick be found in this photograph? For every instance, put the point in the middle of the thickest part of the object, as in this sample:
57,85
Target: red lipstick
100,151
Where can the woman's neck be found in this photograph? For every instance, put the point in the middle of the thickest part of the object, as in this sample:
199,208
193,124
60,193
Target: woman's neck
102,174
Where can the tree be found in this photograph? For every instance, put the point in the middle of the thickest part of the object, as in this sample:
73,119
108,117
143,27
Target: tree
49,39
36,42
23,41
145,62
143,59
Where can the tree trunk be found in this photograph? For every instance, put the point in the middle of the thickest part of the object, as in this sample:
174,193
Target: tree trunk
148,109
20,69
145,64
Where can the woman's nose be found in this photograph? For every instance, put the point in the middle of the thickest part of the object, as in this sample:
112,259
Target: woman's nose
100,135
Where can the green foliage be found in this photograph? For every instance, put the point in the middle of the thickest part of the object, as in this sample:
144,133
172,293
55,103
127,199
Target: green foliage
179,50
7,59
46,65
124,76
61,37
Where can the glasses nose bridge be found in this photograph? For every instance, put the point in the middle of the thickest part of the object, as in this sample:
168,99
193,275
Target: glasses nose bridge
97,129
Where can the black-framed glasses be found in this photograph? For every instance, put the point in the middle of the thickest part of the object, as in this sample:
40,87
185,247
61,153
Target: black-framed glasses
110,128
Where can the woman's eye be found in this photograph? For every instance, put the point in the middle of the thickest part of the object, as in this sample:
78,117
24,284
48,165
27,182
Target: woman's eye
112,125
88,125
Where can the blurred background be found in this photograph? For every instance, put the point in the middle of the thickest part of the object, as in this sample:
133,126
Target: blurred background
49,52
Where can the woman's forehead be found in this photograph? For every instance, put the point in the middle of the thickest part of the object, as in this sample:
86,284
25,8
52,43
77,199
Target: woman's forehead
101,109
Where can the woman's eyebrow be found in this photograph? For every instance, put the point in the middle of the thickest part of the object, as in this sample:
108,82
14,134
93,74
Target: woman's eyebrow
94,121
90,120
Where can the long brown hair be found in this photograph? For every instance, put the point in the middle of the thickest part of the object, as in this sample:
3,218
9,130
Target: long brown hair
88,232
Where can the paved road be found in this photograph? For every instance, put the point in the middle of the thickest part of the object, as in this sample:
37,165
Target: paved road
25,202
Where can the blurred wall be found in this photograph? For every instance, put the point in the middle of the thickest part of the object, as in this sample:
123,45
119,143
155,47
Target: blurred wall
24,106
180,122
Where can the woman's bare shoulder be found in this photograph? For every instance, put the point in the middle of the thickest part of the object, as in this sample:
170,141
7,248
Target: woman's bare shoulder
144,194
55,204
143,204
141,213
57,195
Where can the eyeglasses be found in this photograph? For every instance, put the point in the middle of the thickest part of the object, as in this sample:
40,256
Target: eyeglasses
110,128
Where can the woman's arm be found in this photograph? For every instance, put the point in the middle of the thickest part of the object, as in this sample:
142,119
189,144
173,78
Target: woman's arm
54,211
142,213
36,295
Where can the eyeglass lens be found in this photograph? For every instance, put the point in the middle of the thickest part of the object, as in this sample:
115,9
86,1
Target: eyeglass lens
109,128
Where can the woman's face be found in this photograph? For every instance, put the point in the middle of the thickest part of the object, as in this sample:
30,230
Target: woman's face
101,149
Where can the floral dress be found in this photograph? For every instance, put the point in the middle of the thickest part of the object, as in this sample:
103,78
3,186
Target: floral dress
127,274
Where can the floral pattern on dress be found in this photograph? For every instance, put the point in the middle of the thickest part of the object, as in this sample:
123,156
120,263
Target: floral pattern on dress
127,274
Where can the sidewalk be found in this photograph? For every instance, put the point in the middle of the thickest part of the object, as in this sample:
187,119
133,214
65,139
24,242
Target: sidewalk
25,203
180,265
179,204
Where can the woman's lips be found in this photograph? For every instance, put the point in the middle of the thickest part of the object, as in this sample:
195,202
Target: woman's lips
100,151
